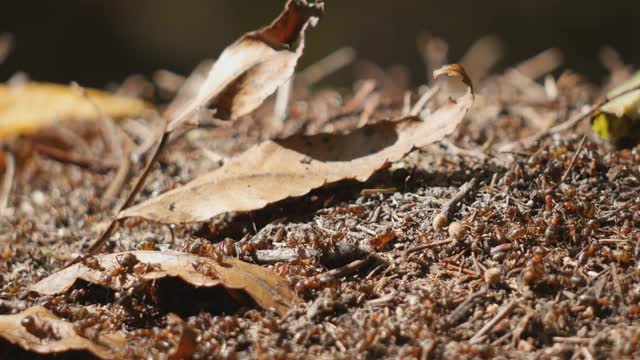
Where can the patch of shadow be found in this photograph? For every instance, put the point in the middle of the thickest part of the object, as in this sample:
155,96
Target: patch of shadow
178,297
344,147
15,352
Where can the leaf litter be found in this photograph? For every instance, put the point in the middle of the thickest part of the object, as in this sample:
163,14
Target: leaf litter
277,169
37,329
542,261
27,108
123,270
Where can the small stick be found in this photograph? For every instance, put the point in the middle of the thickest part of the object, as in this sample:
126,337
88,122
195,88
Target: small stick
99,243
448,207
424,100
586,353
461,269
573,160
7,182
571,123
567,125
281,107
426,246
361,95
369,107
458,313
100,166
493,322
571,340
348,269
6,44
327,66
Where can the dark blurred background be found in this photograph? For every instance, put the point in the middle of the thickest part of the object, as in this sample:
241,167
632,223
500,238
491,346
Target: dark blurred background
95,42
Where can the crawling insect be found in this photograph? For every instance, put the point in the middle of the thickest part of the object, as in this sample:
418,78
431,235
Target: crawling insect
126,263
38,328
206,269
92,262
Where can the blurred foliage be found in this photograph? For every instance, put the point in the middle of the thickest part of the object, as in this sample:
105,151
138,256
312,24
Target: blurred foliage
95,42
619,120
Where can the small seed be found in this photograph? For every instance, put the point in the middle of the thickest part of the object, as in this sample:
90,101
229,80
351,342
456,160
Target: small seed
440,222
492,276
457,231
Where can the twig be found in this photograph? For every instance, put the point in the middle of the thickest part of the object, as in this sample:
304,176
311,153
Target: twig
281,107
99,243
6,44
100,166
461,310
571,340
348,269
449,207
327,66
541,64
361,95
456,150
616,282
275,256
567,125
118,181
116,145
493,322
7,182
573,160
586,353
424,100
369,107
459,269
425,247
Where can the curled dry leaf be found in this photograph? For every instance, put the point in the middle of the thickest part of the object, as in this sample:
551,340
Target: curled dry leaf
265,287
38,330
275,170
27,108
252,68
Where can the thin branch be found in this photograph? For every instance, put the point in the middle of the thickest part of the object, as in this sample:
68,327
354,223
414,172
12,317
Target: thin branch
7,182
567,125
424,100
113,226
449,207
327,66
100,166
425,247
6,44
493,322
573,160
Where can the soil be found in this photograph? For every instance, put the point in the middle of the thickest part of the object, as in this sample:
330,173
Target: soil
537,257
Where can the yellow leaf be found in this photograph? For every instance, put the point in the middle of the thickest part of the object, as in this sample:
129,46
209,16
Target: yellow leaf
27,108
619,120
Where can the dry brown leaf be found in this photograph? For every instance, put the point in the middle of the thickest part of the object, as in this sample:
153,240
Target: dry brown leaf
252,68
27,108
265,287
38,330
275,170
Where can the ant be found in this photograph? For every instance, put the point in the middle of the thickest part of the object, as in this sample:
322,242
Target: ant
39,329
126,263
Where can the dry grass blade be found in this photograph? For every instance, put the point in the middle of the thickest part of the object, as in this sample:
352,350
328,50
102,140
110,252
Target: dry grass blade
275,170
266,288
38,330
